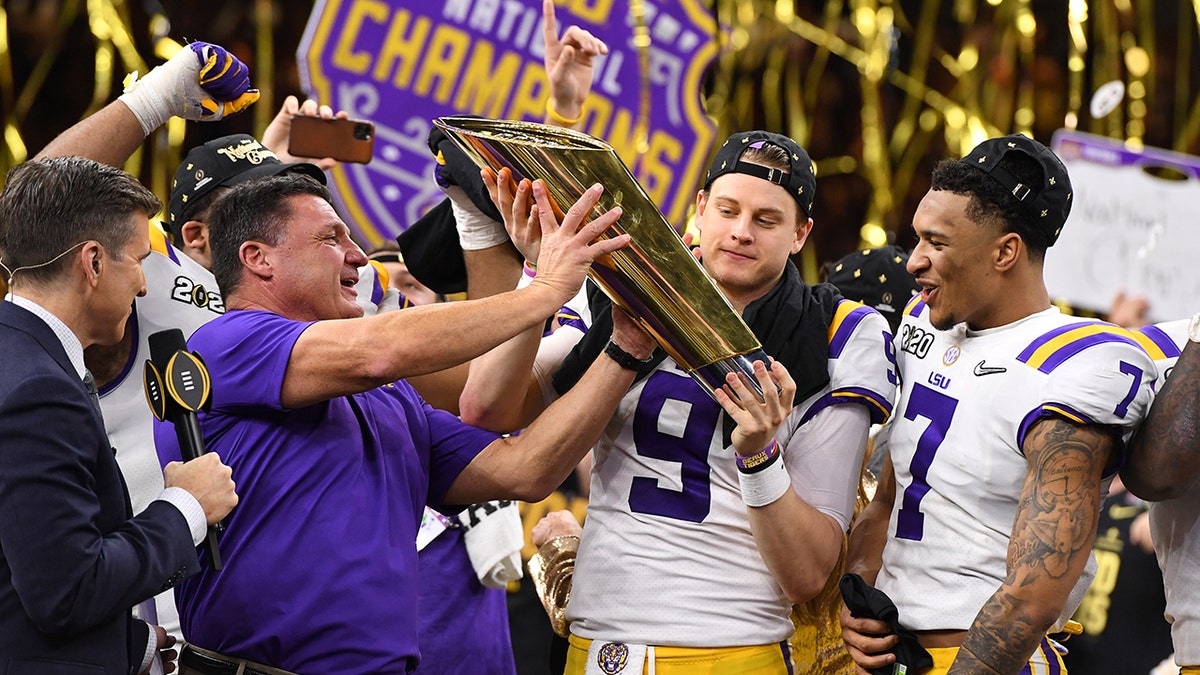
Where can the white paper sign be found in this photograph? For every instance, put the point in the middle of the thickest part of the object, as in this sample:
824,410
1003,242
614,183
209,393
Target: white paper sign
1129,229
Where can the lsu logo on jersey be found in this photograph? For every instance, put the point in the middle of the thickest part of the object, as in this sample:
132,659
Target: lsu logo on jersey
613,657
187,291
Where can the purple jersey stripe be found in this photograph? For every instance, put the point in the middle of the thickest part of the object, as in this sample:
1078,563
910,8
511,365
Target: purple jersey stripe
1049,410
1051,657
376,291
843,331
915,306
878,406
1025,355
1071,349
1161,340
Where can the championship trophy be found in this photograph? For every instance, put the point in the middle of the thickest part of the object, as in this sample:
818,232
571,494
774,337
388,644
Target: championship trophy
656,278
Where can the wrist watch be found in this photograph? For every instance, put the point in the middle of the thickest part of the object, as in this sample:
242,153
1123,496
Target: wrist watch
625,359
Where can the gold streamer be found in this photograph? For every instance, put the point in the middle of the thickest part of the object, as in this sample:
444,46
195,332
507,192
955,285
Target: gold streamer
264,65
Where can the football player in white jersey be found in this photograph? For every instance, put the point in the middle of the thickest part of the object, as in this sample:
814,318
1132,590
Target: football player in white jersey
1164,467
687,558
1012,416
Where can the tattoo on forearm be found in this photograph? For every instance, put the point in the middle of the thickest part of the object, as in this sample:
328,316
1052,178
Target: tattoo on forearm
1169,438
1054,529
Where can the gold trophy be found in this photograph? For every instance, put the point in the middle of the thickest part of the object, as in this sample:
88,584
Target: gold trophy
655,278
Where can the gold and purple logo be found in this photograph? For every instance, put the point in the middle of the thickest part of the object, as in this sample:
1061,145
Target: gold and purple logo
612,657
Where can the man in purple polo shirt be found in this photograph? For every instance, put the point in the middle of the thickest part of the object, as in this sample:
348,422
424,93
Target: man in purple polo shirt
334,454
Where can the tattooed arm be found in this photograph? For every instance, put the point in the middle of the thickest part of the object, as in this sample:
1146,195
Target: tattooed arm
1164,457
1052,535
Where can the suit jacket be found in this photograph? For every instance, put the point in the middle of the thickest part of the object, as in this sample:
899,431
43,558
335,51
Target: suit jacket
73,559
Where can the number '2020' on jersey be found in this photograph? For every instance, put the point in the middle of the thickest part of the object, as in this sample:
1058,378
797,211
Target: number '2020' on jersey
968,400
1175,523
667,556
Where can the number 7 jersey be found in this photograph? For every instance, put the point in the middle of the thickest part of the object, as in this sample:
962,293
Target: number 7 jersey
968,400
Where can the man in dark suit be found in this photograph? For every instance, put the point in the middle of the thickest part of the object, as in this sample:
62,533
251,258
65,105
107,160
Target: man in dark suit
73,559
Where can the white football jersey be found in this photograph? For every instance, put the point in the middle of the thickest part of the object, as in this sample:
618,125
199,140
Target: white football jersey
1175,523
968,400
179,294
667,556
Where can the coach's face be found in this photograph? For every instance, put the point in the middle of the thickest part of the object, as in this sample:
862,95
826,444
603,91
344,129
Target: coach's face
318,263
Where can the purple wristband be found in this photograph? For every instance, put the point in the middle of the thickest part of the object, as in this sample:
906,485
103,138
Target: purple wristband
759,460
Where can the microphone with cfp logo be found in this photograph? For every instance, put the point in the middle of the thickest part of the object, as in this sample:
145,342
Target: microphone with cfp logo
177,386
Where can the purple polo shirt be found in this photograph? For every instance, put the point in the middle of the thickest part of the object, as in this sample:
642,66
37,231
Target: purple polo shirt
320,562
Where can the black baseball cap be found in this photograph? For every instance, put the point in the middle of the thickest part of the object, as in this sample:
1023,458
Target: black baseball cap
228,160
800,180
878,278
1046,205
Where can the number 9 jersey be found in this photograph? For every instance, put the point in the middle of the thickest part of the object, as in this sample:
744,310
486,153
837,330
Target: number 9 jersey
968,400
667,556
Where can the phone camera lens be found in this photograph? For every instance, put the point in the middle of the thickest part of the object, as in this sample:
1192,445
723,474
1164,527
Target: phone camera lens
362,132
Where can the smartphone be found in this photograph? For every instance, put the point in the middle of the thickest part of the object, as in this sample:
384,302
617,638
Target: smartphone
343,140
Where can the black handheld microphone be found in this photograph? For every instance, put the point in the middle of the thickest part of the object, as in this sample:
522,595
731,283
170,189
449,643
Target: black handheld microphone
177,386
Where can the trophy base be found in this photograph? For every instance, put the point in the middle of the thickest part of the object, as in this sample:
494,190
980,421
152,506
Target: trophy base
712,376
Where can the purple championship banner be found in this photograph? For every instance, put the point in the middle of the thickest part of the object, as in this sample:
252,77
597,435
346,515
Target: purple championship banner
401,63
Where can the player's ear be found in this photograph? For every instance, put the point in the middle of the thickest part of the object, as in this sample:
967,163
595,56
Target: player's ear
194,235
1009,249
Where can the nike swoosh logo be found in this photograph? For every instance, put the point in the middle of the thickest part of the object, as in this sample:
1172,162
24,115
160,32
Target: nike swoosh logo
981,369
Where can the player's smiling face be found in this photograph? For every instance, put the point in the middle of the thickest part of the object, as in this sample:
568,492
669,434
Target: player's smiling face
953,261
748,228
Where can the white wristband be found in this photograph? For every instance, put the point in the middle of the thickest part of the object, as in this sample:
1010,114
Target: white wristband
475,230
168,90
764,487
1194,328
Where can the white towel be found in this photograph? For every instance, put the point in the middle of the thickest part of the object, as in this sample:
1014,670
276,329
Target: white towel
493,535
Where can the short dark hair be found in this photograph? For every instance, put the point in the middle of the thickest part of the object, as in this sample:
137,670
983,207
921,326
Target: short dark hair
256,210
51,205
990,202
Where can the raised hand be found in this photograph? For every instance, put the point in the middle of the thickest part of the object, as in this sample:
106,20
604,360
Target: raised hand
568,249
757,420
202,82
516,205
276,135
569,63
225,78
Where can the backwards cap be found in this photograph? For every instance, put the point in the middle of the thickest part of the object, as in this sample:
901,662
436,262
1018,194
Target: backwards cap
800,180
1046,205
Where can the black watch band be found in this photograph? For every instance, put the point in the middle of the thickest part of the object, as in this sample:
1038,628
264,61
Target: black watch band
623,358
